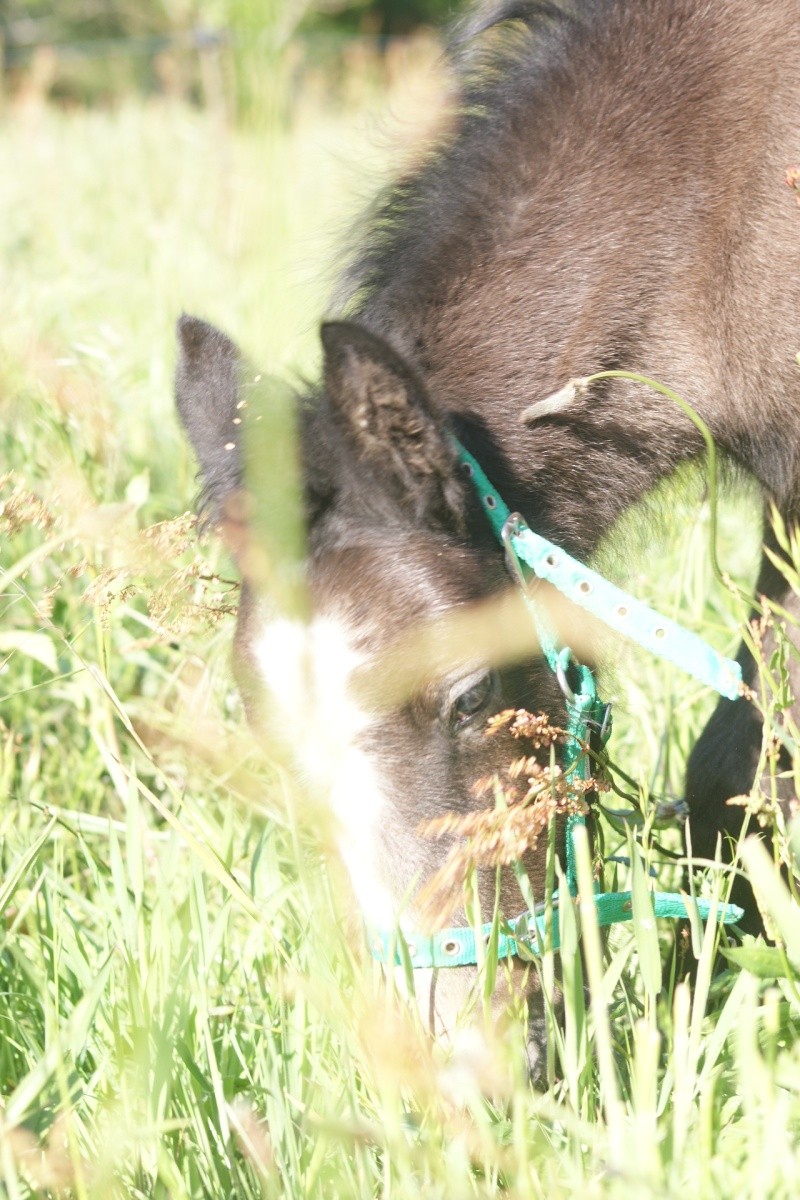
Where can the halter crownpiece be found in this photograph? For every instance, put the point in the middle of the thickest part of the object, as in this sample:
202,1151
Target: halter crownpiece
660,635
588,723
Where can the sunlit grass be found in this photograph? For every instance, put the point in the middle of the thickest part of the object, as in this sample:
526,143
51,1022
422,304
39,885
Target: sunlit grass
180,1014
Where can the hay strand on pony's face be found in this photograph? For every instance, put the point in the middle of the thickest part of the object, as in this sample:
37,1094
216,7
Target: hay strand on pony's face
528,793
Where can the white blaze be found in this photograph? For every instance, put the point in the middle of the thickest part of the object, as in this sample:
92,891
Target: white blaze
308,670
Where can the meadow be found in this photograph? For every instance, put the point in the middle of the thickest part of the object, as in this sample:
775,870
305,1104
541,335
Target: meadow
182,1011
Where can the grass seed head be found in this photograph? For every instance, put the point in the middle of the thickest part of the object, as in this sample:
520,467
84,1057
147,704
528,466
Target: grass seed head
527,795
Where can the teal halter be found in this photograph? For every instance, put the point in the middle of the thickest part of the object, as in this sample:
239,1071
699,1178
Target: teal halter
588,723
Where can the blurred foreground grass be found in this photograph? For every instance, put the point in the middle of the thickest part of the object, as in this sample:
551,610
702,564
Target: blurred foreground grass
179,1013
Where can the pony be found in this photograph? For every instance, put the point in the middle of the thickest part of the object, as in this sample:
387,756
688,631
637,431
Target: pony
610,194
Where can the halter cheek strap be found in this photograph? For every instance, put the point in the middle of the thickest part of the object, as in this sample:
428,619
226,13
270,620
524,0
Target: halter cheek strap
588,724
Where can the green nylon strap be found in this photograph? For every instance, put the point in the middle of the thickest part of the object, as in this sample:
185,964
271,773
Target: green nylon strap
624,613
528,934
586,707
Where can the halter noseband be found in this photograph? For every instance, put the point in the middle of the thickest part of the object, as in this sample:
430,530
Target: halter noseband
588,723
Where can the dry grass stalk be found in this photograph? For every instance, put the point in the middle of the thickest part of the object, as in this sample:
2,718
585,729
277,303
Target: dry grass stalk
20,507
161,563
527,795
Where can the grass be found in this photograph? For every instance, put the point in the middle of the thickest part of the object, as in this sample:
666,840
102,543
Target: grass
181,1011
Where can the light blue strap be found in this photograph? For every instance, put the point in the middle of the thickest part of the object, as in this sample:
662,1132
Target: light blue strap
660,635
456,947
453,947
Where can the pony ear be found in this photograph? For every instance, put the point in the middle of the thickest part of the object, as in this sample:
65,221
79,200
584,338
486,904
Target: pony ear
387,418
207,390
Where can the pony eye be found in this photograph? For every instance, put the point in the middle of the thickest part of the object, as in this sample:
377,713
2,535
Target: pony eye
472,701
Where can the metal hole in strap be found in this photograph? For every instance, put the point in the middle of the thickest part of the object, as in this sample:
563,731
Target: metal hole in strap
551,560
490,501
451,947
412,949
660,632
585,587
622,611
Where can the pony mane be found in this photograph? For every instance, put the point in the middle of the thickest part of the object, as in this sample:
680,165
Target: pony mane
499,56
